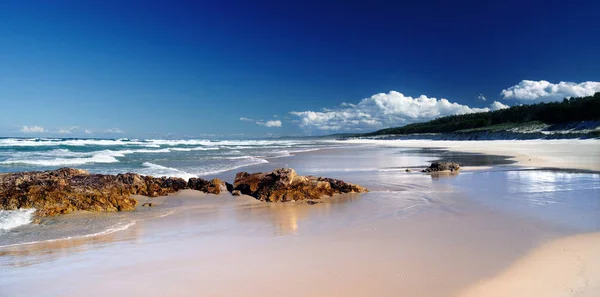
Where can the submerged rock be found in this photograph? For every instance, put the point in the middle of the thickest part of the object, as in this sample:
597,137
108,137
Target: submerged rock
284,184
442,166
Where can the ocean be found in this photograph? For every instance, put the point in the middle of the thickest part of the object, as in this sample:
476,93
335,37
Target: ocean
157,157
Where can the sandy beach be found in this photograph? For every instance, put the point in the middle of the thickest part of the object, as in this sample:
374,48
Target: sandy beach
566,154
502,231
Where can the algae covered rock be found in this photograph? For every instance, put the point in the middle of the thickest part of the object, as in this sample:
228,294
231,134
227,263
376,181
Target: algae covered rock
65,190
284,184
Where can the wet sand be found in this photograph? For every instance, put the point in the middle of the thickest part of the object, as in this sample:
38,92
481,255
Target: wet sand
413,235
566,154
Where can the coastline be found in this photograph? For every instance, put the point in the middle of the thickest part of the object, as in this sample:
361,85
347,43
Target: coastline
413,235
562,154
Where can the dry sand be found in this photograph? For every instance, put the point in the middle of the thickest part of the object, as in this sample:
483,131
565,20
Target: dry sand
564,267
567,154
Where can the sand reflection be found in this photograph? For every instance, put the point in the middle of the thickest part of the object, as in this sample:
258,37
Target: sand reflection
34,253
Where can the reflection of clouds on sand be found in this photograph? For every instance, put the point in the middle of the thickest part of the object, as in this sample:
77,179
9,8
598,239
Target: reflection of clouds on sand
541,187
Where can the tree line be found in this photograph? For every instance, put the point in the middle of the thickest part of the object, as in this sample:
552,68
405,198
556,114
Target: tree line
566,111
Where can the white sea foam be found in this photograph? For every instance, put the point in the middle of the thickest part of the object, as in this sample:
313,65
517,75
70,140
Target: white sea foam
159,170
167,142
64,157
14,218
36,142
98,157
240,162
189,149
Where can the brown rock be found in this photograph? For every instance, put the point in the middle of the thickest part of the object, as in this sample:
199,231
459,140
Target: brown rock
284,184
236,193
148,204
65,190
442,166
214,186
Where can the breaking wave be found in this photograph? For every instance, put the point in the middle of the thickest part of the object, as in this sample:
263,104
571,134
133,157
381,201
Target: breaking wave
159,170
10,219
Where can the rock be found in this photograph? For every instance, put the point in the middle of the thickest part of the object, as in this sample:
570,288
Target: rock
284,184
197,184
229,187
214,186
408,170
148,204
236,193
65,190
442,166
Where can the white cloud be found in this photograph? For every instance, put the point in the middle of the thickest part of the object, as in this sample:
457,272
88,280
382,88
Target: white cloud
497,106
246,119
270,124
114,130
73,130
381,110
32,129
481,97
529,90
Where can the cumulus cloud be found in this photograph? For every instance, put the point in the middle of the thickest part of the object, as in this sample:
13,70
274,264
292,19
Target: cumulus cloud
114,130
381,110
529,90
481,97
32,129
270,124
73,130
498,105
246,119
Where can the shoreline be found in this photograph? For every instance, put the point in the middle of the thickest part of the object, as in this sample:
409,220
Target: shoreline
557,154
387,241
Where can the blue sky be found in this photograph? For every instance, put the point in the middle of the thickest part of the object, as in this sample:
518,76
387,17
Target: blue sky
196,68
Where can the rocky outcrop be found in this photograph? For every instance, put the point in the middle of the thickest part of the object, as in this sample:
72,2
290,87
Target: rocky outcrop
65,190
442,167
285,185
